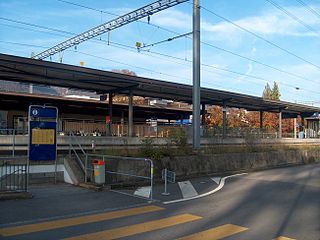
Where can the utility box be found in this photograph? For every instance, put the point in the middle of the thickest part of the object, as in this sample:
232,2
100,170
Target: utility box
99,171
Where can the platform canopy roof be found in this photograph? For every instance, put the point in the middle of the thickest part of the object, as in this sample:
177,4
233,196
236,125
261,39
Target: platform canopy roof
14,68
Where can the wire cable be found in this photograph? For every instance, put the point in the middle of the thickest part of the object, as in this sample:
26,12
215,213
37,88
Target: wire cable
234,54
262,38
169,56
208,44
294,17
166,40
310,9
160,73
115,15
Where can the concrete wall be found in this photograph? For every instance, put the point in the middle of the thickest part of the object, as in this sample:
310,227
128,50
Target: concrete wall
199,165
22,141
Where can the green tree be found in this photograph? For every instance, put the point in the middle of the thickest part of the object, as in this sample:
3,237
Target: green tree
271,94
275,92
267,92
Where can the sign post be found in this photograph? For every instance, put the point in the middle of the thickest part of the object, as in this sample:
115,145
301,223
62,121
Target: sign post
42,134
167,176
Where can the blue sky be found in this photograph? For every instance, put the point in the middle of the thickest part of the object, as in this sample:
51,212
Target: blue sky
170,61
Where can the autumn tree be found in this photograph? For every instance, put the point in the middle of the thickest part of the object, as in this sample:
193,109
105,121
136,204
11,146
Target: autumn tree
214,116
124,71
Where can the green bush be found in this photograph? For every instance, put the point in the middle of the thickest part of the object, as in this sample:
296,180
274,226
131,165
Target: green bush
149,150
178,137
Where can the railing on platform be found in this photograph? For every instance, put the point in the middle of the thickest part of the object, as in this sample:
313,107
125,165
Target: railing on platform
123,171
11,139
13,176
81,161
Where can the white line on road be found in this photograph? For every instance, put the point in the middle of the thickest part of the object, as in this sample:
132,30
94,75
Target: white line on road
208,193
143,192
216,179
187,189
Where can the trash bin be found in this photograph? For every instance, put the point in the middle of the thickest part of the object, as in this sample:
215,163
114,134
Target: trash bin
99,171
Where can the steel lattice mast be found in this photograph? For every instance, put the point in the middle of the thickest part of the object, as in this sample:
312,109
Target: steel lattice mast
110,25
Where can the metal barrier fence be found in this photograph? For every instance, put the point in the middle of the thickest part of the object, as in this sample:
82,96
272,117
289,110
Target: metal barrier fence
13,176
10,139
122,171
245,132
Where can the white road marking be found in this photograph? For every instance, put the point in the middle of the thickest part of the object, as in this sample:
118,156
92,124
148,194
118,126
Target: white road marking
143,191
187,189
208,193
216,179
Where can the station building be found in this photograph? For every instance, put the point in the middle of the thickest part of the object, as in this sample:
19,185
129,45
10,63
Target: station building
90,116
86,116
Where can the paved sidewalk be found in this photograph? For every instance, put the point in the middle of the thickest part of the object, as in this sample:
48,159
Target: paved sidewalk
52,201
61,200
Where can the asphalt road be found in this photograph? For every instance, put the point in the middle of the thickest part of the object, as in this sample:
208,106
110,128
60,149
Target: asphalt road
274,204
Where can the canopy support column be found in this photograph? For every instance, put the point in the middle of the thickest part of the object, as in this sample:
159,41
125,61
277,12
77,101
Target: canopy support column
110,114
261,120
280,125
224,120
130,114
295,128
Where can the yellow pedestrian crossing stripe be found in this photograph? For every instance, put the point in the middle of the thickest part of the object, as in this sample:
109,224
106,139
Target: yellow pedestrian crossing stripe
283,238
216,233
49,225
138,228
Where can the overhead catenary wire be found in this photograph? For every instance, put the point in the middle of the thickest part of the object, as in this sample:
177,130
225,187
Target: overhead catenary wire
261,38
95,56
124,46
310,9
166,40
294,17
146,69
206,65
165,55
208,44
232,53
118,62
113,14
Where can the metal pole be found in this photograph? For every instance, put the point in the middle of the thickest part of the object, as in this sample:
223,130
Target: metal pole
165,193
14,142
261,124
69,146
110,113
55,170
196,75
261,120
86,169
295,128
224,120
151,177
130,117
165,181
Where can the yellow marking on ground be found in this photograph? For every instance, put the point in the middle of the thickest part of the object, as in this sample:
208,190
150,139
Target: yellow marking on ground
216,233
49,225
138,228
284,238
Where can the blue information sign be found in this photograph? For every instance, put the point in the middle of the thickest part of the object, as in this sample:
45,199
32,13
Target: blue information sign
42,133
